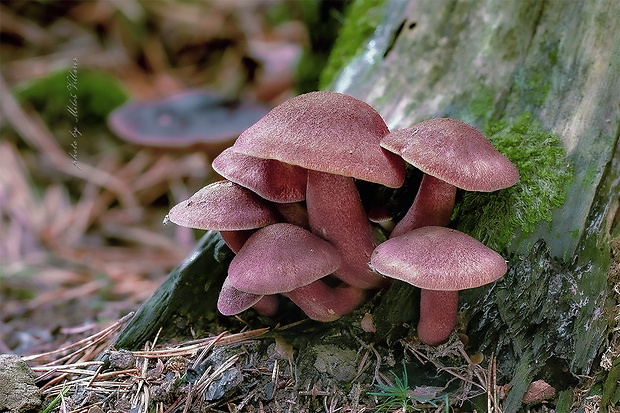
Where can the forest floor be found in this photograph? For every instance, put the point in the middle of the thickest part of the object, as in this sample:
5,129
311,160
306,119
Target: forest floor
82,237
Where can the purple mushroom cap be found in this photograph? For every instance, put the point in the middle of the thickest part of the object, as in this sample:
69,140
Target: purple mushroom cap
273,180
184,120
438,258
454,152
280,258
223,206
231,301
326,132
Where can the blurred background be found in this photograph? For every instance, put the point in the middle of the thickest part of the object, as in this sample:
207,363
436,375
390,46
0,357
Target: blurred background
81,205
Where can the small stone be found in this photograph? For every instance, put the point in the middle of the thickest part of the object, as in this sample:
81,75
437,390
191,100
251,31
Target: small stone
268,390
476,358
18,391
161,393
538,391
122,404
229,380
336,362
122,360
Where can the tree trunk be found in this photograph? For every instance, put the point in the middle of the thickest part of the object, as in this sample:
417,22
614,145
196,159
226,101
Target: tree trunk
555,64
542,80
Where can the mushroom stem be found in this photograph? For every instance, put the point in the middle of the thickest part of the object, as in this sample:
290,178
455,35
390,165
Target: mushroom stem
432,206
267,306
336,214
293,213
323,303
438,311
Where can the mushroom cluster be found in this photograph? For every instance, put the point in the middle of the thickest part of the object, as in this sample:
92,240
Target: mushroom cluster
290,210
421,250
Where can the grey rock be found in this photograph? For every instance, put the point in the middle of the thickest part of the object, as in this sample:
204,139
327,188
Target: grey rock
122,360
336,362
18,391
230,379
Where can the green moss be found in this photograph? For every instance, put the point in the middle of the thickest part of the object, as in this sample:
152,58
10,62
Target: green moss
97,94
545,174
533,87
482,105
495,218
362,18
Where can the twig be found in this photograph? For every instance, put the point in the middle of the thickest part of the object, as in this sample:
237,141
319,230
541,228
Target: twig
204,351
190,350
88,341
205,381
489,384
377,355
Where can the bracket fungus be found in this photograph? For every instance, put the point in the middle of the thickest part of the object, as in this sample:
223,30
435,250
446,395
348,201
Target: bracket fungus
336,138
452,154
440,261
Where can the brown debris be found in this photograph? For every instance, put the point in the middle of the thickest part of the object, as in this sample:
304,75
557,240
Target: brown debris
538,391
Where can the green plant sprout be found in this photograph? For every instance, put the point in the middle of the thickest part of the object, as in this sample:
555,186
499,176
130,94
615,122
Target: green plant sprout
401,397
56,400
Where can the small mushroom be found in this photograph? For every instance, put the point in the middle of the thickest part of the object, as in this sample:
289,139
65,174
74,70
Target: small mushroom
273,180
284,258
451,154
440,261
226,207
232,301
335,137
184,120
380,215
